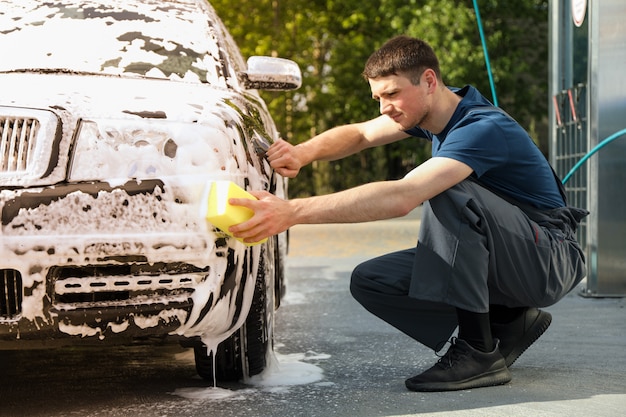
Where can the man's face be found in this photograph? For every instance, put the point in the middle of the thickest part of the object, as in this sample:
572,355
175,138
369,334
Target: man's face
405,103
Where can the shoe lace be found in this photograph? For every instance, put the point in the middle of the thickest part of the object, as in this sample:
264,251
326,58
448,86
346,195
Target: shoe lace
454,354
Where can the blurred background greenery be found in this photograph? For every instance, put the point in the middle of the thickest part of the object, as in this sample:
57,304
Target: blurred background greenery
332,39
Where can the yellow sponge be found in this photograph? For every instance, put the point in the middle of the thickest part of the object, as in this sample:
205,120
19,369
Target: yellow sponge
223,215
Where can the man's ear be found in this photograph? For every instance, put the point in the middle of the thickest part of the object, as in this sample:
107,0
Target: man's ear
429,78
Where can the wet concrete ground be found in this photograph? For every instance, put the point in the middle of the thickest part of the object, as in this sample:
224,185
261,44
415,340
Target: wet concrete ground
576,369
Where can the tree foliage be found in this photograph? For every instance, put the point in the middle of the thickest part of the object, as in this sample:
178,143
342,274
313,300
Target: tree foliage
332,39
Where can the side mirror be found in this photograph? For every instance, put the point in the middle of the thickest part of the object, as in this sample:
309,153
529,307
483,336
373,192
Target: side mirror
268,73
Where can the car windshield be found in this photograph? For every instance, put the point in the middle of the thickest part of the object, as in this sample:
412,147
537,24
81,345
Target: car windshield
173,40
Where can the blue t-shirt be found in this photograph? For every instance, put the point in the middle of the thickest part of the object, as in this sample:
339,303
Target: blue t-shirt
501,153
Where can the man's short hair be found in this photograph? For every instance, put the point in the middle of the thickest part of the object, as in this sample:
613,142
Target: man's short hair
402,55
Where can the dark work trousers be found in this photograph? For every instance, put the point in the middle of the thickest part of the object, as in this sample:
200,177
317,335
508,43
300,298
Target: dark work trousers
474,249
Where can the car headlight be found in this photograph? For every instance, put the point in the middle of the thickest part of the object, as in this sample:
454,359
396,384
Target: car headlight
119,150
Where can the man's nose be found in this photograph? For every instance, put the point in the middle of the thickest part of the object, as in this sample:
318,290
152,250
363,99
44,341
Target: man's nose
385,107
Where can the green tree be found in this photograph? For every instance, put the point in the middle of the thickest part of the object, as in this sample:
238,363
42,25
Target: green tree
332,39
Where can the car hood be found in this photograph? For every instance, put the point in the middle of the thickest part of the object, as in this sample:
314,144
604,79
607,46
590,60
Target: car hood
215,113
112,96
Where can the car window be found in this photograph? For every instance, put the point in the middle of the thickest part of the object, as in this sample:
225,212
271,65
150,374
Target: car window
176,40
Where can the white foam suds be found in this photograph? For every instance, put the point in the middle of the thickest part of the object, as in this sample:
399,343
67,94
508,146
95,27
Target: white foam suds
282,372
288,370
211,394
104,42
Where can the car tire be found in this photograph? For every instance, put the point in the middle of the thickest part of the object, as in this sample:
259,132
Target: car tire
252,338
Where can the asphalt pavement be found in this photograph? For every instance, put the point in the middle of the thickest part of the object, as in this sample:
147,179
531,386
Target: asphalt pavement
577,368
358,363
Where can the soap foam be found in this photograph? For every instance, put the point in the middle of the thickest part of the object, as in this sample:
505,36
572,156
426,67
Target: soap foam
282,372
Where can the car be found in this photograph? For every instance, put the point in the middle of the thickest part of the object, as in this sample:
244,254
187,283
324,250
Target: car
116,117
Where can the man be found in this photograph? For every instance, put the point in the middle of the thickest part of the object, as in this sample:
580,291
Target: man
496,239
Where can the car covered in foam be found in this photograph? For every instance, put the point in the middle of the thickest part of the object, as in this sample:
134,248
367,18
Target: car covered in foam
115,118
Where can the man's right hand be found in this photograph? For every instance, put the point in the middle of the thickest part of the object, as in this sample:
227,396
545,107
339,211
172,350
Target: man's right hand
284,159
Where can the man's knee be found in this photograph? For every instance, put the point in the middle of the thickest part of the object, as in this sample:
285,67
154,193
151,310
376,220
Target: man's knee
359,282
388,274
372,288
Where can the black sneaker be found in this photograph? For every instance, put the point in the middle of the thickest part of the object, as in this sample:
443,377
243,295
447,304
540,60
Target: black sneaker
462,367
517,336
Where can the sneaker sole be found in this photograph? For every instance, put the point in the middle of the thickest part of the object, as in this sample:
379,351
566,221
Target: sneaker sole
497,377
541,324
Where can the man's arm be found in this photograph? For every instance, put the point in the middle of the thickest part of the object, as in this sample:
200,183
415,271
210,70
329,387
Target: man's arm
335,143
373,201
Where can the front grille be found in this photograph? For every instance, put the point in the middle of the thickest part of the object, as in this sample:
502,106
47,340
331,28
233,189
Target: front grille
112,284
10,293
18,138
29,140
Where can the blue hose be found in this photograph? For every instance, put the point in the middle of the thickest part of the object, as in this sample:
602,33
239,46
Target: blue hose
486,53
591,152
495,100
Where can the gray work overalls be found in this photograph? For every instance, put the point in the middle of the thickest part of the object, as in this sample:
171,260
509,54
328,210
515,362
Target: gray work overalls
474,249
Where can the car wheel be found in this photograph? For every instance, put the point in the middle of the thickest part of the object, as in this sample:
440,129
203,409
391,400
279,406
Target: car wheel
252,339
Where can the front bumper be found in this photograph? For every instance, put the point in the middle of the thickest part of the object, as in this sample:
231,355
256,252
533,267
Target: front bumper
91,262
